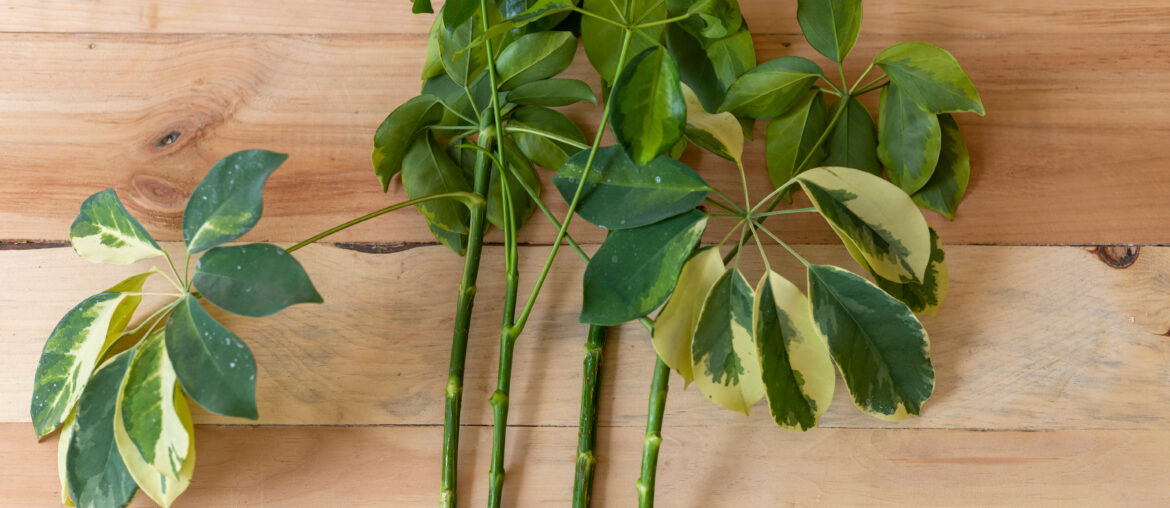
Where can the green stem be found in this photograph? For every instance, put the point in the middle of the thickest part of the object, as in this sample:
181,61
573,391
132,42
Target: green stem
587,423
784,212
662,21
473,202
782,244
733,212
872,88
859,78
593,15
499,399
654,415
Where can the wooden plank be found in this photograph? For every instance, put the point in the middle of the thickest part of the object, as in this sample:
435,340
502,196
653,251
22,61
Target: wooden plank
398,466
375,16
1029,338
87,112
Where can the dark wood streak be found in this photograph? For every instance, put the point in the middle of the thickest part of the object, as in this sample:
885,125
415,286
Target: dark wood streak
1118,256
31,244
381,247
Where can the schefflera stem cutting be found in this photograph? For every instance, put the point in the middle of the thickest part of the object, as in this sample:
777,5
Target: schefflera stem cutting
119,394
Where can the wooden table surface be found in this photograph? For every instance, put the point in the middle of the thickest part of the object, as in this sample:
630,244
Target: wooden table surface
1051,351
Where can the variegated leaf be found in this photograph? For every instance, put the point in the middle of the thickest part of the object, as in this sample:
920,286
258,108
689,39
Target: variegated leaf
75,347
152,436
105,232
794,361
227,203
922,297
674,329
63,440
880,220
723,353
718,133
879,346
95,472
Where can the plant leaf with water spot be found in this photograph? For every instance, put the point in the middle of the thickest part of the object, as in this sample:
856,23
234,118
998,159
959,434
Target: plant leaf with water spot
648,109
74,349
853,142
723,353
830,26
877,217
771,88
931,76
636,269
253,280
104,232
535,56
909,140
427,171
718,133
619,194
879,346
152,437
394,136
214,366
96,475
228,202
791,137
674,328
794,361
948,184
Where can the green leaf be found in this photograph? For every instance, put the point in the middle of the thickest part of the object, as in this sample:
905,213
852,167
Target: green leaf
227,203
877,217
534,57
791,138
462,66
771,88
552,92
853,143
433,65
95,473
421,6
718,133
255,280
909,140
930,76
879,346
457,242
649,113
830,26
603,40
522,204
710,19
104,232
213,365
152,438
794,361
540,9
545,152
621,195
948,184
921,297
74,348
427,171
458,13
398,130
725,363
695,68
636,269
674,328
732,56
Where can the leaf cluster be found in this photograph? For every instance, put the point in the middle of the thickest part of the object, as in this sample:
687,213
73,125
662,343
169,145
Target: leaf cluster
119,394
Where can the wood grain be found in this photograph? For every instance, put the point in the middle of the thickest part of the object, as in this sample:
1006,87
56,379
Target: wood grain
380,16
699,467
1063,157
1029,338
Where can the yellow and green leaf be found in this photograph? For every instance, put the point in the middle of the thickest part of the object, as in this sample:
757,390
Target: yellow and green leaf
794,361
674,328
879,346
227,203
877,217
718,133
152,437
723,353
75,347
104,232
931,77
63,440
649,114
94,470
